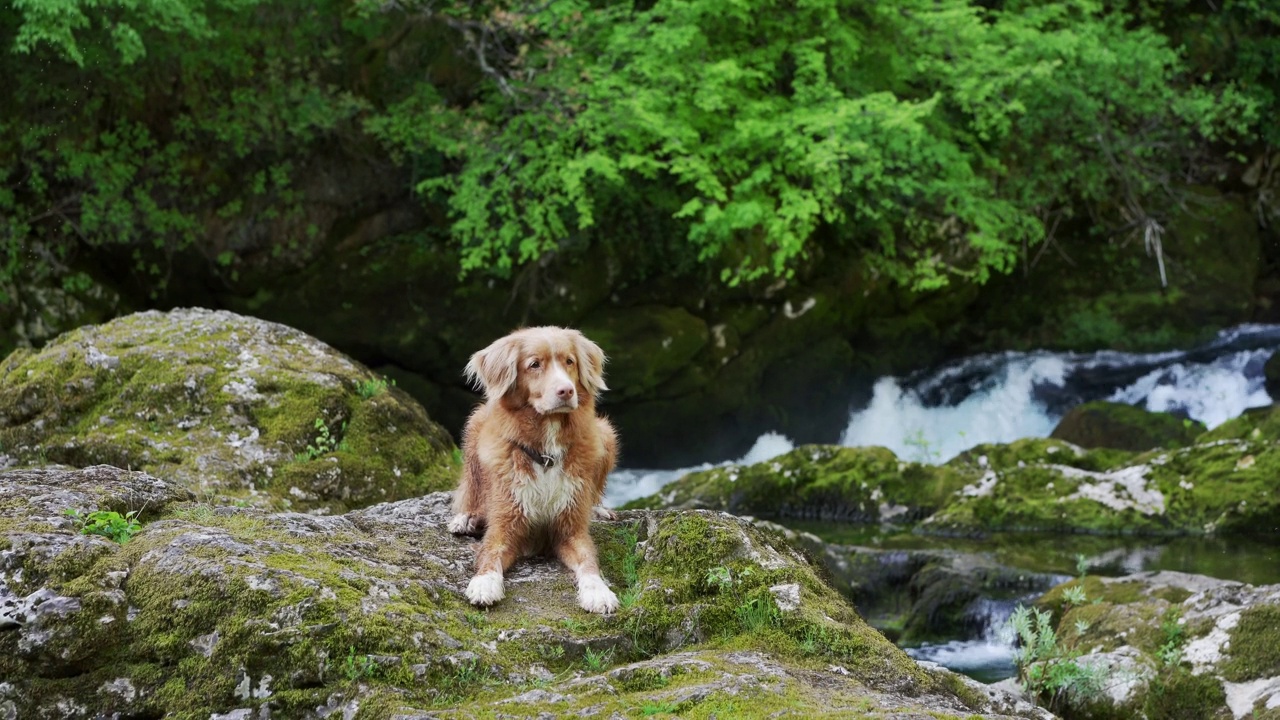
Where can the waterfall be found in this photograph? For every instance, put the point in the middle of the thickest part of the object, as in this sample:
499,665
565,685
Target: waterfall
933,415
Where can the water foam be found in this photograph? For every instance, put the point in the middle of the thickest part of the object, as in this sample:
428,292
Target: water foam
999,398
627,485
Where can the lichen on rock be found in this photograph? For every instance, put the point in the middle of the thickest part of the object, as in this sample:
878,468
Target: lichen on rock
237,612
820,482
230,406
1193,646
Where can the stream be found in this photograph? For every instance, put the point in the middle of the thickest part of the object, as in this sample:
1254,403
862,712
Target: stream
933,415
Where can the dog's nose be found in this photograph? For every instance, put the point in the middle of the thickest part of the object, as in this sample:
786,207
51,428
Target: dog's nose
565,392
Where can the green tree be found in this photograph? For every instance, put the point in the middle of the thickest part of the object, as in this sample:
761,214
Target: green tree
940,136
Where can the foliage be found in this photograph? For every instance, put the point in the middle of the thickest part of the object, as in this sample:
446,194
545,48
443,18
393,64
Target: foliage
324,443
753,613
358,667
1047,668
597,661
940,139
1082,565
650,709
148,125
628,562
373,387
1175,637
107,523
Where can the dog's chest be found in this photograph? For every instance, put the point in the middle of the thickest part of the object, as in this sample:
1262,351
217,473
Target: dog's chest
549,491
546,494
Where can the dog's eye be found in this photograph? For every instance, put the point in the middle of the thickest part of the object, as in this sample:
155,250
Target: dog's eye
535,364
568,361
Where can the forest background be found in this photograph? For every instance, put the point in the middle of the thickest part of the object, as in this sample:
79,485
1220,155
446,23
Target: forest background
755,207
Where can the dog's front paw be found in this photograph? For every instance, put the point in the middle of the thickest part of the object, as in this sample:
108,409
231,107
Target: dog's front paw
594,596
603,513
485,589
463,524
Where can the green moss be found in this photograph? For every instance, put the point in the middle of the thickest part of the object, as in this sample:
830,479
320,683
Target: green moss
1254,651
1179,695
1032,451
1172,595
816,481
1125,427
222,404
208,603
647,346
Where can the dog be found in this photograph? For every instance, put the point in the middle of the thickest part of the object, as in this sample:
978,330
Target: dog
535,460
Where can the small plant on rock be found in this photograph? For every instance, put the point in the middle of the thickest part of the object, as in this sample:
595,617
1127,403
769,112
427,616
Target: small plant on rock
373,387
926,450
650,709
753,613
757,613
597,661
107,523
358,667
324,443
629,564
1082,564
1074,595
1047,668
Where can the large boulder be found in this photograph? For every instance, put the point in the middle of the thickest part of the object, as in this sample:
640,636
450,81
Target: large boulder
229,406
1172,645
1103,424
1223,486
239,613
818,482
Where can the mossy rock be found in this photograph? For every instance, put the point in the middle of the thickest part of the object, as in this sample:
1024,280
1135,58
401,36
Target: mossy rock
1271,375
648,347
229,406
1206,648
1227,486
919,595
41,302
1255,425
819,482
1031,451
1102,424
215,610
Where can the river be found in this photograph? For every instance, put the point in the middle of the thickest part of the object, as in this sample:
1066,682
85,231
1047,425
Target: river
935,414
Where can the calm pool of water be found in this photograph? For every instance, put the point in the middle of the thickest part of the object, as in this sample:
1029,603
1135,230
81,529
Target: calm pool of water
1253,560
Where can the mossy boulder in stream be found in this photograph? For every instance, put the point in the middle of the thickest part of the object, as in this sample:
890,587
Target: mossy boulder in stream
227,405
1102,424
234,612
1217,486
1220,485
1172,645
820,482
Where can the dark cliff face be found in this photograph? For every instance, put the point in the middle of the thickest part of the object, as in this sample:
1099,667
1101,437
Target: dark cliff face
697,370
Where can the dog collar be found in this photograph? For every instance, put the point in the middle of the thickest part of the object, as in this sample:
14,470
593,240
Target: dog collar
543,459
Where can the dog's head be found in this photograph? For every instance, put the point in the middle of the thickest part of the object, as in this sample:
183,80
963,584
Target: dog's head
550,368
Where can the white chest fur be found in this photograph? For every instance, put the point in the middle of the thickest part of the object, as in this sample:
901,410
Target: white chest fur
549,492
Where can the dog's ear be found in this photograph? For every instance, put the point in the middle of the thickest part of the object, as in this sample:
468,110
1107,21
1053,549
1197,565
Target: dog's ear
591,361
494,368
